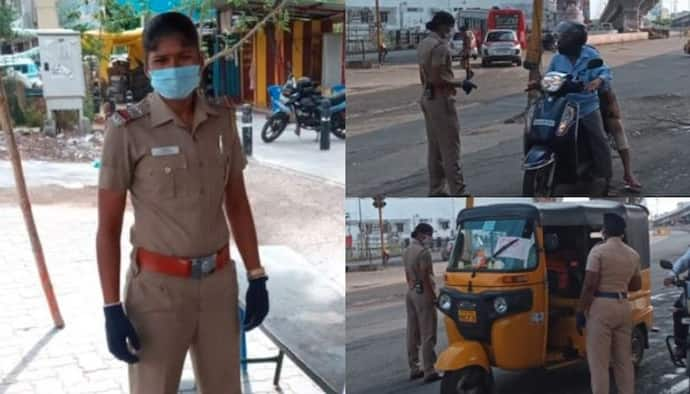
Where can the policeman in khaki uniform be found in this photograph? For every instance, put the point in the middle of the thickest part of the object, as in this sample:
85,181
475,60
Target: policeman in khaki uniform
420,299
613,269
438,105
180,159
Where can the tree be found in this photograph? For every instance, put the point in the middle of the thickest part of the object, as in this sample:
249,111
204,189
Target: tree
7,16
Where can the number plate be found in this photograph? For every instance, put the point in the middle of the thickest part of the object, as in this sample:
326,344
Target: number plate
467,316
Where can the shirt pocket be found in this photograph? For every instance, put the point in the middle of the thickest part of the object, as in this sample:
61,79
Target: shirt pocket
164,175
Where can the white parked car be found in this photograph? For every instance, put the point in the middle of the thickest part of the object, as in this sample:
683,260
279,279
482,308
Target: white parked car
456,44
501,46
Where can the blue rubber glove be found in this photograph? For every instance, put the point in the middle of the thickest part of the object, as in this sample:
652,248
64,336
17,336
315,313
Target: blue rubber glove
256,303
118,330
467,86
580,322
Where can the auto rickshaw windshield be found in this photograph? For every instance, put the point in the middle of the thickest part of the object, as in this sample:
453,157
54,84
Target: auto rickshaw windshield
495,245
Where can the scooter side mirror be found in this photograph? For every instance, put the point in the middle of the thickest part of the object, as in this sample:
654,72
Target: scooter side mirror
665,264
595,63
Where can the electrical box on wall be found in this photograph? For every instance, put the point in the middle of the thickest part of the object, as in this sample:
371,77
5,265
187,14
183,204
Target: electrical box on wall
62,72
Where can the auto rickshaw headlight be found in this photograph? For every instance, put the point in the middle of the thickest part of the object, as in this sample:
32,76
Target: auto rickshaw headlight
500,305
445,302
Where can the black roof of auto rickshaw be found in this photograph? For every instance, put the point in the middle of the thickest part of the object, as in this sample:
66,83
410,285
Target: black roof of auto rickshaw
581,213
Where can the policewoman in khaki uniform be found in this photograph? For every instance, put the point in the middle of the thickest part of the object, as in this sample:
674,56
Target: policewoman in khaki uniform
438,104
419,301
181,161
613,269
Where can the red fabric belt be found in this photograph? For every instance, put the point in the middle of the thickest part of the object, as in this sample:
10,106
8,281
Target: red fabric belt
177,266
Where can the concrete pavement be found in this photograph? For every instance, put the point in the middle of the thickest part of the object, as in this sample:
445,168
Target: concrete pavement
300,154
386,150
376,339
35,358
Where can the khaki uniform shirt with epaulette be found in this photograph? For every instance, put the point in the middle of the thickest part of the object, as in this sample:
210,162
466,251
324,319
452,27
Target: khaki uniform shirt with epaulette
616,264
176,175
434,51
416,259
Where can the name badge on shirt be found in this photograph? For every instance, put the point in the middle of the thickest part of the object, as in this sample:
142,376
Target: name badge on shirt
165,150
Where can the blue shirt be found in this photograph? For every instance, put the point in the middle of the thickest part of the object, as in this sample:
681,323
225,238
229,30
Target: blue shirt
589,102
682,264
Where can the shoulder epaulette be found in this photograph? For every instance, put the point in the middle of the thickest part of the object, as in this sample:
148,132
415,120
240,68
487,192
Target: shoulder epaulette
123,116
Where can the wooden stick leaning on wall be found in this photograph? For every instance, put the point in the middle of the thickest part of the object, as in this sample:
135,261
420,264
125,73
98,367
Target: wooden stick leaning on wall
25,205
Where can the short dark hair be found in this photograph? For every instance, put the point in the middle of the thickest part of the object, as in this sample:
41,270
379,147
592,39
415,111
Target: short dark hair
169,24
440,18
423,228
614,224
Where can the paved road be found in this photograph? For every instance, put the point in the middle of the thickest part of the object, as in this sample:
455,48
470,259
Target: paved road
376,360
386,150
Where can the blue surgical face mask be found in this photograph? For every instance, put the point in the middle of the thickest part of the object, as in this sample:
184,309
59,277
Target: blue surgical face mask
175,82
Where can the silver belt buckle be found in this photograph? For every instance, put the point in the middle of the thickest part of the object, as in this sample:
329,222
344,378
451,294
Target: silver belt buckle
203,266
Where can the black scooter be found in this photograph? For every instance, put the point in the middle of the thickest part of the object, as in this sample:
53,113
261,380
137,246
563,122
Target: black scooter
555,150
683,283
301,100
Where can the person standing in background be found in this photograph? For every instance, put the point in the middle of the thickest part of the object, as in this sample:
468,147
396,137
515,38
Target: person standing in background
420,303
438,105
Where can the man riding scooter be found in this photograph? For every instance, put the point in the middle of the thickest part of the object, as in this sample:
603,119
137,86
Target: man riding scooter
573,58
680,331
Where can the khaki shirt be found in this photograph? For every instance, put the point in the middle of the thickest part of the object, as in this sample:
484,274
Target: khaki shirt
434,51
176,175
417,259
616,264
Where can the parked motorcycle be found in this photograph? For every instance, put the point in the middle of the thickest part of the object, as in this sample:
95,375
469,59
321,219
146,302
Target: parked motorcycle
682,283
556,153
300,100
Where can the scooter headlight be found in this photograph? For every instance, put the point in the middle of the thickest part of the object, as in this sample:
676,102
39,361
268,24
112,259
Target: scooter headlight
500,305
553,81
445,302
566,119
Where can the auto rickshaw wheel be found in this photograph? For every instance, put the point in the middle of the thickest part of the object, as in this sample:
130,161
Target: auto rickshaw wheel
637,346
470,380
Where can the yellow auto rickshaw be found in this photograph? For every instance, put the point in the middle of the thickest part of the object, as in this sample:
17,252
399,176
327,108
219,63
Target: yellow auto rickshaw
513,283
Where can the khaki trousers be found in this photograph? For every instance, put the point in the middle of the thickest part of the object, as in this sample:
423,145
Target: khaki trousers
609,330
172,315
421,331
443,135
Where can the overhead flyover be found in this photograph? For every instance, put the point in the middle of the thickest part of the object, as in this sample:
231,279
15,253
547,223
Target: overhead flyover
625,15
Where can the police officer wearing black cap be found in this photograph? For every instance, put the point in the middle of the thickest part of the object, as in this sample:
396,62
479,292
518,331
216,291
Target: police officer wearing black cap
613,269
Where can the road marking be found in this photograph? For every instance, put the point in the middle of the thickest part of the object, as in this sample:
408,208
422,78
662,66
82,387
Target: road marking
401,107
679,387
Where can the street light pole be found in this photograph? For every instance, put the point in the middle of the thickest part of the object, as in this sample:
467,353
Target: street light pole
378,32
534,47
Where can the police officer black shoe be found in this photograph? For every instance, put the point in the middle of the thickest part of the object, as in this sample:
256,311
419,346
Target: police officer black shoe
416,375
432,377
